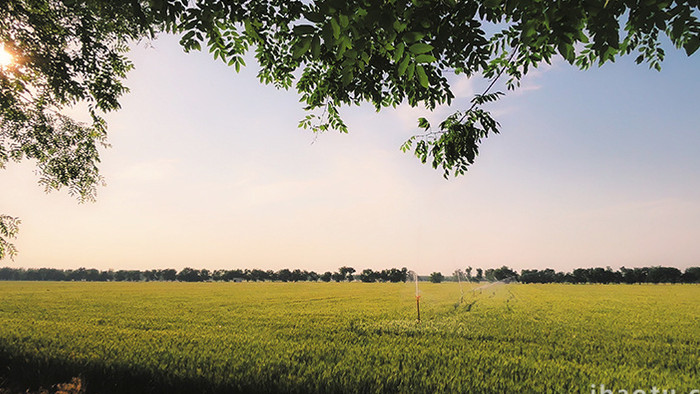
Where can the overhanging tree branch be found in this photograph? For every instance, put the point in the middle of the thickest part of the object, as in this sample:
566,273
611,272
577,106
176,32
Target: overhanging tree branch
333,52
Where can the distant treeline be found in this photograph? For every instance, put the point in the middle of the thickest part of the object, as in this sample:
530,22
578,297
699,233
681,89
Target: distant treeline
607,275
585,275
201,275
344,274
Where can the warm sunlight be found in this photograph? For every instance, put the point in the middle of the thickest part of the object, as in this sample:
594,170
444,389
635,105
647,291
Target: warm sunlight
5,57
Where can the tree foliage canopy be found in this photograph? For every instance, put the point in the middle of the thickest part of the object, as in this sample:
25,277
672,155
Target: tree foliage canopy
333,52
388,52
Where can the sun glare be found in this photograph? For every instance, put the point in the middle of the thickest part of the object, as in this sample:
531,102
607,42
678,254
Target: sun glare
5,57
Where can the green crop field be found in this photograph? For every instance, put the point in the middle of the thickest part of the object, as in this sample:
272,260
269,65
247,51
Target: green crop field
352,337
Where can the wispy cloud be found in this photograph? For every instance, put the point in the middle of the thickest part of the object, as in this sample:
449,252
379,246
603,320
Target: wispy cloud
408,116
149,171
462,87
532,80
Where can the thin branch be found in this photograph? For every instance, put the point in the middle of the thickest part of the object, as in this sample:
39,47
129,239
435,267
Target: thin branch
488,88
493,81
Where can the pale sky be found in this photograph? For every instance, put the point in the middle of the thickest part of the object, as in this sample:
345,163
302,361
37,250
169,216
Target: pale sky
208,170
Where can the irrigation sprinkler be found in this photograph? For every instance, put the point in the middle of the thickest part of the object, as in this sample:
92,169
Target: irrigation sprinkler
417,296
461,290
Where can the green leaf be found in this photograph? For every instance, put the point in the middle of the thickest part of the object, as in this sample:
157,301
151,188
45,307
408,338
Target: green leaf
187,36
566,51
581,36
250,29
413,36
365,57
527,32
678,28
327,34
399,26
304,30
315,17
411,69
347,63
423,123
301,47
403,66
407,145
336,29
420,48
425,59
316,47
692,45
347,77
398,52
422,76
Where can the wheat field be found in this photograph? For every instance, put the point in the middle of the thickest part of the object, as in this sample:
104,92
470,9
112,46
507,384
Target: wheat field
352,337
